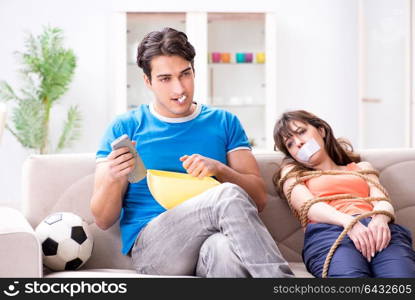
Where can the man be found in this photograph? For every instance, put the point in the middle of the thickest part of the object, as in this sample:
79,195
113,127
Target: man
215,234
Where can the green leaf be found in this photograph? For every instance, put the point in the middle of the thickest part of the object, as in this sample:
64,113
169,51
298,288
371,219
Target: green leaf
6,92
28,119
30,90
71,130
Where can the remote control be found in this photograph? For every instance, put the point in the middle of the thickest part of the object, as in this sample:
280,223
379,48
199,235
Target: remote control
139,171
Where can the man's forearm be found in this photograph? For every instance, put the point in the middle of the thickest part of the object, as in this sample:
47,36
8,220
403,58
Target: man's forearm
106,205
252,184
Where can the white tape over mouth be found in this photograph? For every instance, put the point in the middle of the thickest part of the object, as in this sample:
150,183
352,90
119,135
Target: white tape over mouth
182,99
308,150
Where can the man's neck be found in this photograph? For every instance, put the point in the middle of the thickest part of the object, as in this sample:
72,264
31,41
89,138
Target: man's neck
165,113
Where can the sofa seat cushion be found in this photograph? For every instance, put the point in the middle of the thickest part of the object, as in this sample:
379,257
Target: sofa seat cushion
107,273
300,270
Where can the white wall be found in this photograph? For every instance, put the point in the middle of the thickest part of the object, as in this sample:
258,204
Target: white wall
86,31
316,60
385,52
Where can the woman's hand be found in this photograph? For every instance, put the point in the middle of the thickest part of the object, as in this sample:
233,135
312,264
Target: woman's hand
363,240
200,166
380,231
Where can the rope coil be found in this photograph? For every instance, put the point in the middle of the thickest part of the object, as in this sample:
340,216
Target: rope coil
302,215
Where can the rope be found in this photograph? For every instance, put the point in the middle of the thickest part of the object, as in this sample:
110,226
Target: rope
343,234
302,216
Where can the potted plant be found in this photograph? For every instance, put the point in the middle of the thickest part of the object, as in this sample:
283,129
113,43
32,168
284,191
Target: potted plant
47,70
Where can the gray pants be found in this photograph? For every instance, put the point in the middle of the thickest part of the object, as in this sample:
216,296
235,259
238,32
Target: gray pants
215,234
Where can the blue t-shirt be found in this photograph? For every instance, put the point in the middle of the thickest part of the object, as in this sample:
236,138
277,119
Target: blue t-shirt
160,142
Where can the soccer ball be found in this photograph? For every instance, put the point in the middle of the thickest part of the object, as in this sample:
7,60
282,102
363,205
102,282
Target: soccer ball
66,241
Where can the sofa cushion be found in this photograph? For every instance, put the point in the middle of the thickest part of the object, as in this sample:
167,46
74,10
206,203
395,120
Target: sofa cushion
106,252
284,228
300,270
108,273
107,249
395,179
277,217
46,177
76,198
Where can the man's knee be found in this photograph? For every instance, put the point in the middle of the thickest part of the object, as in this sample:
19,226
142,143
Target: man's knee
216,245
218,259
216,250
232,192
230,187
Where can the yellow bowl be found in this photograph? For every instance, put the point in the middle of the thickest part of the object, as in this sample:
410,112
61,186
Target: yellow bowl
172,188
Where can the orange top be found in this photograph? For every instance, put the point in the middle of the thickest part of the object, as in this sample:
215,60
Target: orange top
328,185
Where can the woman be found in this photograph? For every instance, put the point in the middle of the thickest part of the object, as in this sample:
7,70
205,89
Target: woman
373,247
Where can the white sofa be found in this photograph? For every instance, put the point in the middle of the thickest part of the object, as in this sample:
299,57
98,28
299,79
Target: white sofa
64,182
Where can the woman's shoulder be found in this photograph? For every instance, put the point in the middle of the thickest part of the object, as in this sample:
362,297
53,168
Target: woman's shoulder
365,165
287,173
287,169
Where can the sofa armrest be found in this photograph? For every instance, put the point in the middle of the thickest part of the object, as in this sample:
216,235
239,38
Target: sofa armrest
20,251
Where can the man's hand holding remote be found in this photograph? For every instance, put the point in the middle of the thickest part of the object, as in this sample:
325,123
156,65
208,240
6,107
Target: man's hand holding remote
120,163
